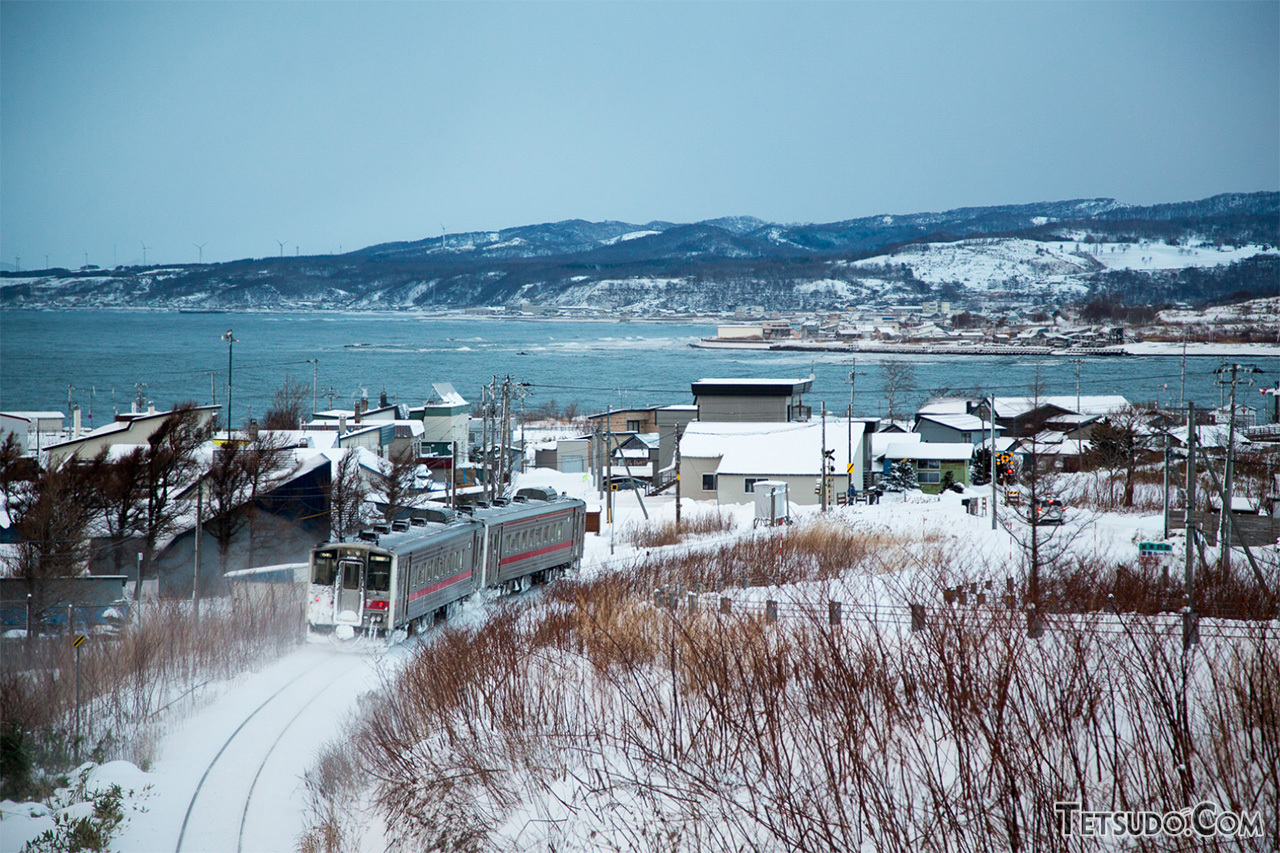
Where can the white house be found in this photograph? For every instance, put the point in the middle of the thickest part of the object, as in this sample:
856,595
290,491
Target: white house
722,461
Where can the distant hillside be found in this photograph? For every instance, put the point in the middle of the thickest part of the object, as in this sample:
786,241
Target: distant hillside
1047,252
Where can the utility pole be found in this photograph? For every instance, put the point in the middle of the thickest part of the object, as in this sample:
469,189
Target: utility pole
678,434
1188,614
315,383
1189,510
1228,479
991,416
1182,388
195,571
484,437
849,486
822,463
1077,362
1166,485
608,462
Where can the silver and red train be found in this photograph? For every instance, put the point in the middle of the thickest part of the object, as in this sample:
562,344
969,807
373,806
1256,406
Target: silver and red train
401,576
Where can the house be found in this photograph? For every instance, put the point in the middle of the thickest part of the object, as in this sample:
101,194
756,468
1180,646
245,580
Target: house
752,400
932,461
568,455
133,428
722,461
286,522
953,428
1026,416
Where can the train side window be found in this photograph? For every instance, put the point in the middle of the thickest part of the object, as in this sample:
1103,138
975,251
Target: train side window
324,568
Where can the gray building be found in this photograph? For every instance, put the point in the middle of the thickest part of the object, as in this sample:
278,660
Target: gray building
752,400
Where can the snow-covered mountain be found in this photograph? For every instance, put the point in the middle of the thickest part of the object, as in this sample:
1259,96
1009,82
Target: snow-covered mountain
1052,251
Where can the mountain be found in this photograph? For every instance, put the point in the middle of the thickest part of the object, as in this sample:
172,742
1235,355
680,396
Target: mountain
1045,252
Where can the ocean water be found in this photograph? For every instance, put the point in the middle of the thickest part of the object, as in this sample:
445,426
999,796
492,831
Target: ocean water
99,358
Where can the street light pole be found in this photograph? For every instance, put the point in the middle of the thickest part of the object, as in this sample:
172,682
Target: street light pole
231,340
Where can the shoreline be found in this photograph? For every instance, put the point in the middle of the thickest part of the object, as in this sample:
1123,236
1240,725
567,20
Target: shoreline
1137,349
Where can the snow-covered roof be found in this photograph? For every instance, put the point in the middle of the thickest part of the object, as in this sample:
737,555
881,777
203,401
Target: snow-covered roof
943,451
880,441
1011,407
448,394
769,448
968,423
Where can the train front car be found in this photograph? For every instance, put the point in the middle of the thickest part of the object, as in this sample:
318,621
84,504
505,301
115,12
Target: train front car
350,591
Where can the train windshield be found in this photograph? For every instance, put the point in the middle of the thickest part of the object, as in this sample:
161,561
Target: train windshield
324,567
379,572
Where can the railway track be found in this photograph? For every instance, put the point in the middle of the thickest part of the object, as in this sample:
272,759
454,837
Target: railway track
237,804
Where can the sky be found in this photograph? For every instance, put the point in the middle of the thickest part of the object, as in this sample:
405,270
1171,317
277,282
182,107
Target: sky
326,127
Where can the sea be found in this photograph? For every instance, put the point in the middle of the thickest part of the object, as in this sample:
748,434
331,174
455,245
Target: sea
105,360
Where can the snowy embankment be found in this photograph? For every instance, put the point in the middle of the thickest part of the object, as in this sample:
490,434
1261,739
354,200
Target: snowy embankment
602,767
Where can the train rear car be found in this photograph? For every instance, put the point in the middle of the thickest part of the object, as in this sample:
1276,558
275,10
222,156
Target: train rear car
530,540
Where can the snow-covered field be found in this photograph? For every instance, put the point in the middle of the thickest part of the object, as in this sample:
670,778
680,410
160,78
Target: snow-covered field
230,775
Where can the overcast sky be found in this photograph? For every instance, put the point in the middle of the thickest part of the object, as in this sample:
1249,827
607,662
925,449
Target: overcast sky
336,125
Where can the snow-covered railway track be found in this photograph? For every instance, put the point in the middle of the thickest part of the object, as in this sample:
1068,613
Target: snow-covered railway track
236,804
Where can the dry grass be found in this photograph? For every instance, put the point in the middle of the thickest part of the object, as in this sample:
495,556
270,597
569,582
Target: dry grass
656,534
598,721
157,662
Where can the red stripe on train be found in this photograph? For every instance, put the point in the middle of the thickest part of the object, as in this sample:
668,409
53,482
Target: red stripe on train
439,585
530,554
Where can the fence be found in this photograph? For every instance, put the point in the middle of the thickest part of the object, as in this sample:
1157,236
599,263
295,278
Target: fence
975,599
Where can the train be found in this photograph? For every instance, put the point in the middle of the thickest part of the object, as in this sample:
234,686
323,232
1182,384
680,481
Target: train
402,576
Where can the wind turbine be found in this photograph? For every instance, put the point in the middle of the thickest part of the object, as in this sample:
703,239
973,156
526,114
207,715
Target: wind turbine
282,242
144,254
201,246
442,236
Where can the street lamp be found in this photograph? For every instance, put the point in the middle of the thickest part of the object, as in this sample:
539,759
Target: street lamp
231,341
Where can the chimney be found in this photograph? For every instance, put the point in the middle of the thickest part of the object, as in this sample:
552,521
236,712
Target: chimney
75,421
382,399
342,425
359,407
253,429
151,408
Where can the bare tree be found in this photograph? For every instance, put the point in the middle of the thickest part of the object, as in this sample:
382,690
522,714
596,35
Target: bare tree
241,473
899,380
347,494
170,466
1119,445
396,483
287,406
124,485
51,516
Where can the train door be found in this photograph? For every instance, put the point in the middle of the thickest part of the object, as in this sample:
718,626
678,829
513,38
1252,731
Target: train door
493,562
350,595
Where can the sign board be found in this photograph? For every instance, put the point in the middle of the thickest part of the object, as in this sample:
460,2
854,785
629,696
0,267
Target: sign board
79,640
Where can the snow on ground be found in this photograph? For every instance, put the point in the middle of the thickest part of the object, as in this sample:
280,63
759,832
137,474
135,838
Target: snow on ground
323,683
